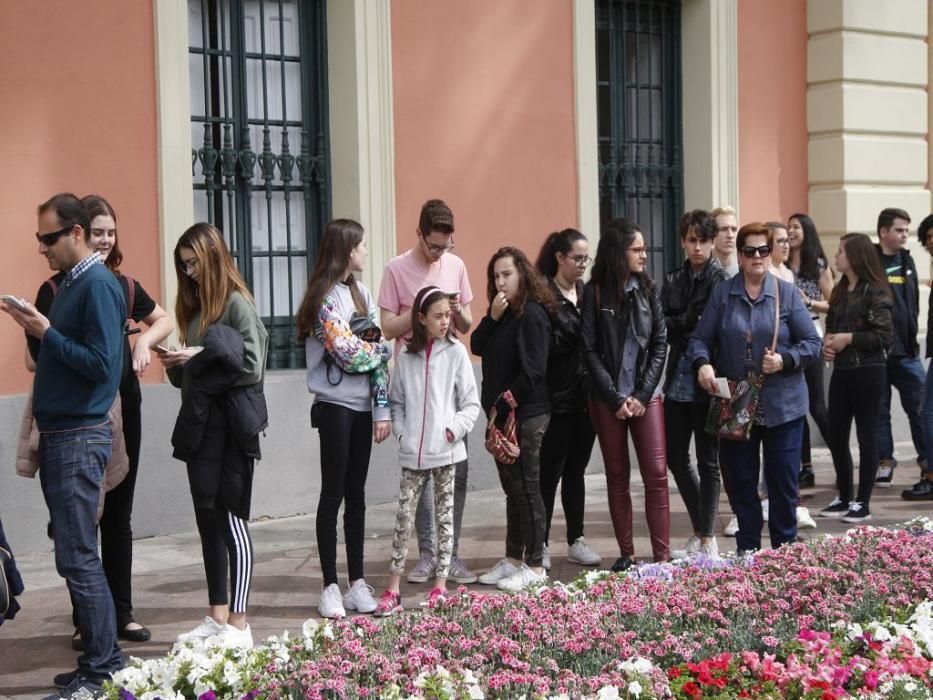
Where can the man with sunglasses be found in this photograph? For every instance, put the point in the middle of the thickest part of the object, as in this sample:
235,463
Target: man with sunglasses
429,262
77,374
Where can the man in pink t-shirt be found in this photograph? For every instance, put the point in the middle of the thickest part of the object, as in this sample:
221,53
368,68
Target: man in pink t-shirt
429,262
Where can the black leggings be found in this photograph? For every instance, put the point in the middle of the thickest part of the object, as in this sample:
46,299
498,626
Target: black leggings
565,452
813,373
225,537
856,393
346,442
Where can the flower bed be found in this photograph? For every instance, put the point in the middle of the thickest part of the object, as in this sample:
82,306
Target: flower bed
832,619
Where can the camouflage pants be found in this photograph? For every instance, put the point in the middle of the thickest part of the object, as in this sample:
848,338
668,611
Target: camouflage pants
412,483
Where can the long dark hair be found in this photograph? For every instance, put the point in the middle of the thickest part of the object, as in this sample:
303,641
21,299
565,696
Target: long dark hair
865,263
218,278
531,286
610,269
424,299
340,237
98,206
558,242
811,250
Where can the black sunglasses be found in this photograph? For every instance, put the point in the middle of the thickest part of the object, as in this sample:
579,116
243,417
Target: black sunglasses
50,239
762,250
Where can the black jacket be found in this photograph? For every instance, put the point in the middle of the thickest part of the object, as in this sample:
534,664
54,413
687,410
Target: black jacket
604,332
906,318
865,312
211,401
684,297
566,371
514,352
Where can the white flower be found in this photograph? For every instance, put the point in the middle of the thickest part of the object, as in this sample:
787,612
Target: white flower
609,692
881,634
310,627
476,693
231,674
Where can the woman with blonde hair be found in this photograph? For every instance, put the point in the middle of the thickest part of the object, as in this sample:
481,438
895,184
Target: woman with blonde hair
220,369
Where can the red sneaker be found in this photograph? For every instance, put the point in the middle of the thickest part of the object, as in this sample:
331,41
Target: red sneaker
435,597
389,604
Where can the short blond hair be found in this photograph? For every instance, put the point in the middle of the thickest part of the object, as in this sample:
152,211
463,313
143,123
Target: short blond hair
719,211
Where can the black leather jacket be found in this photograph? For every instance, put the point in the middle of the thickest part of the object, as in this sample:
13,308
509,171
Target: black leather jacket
684,297
865,312
566,370
604,331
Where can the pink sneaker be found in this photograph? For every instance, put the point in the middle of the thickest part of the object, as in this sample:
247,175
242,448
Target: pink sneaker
435,597
389,604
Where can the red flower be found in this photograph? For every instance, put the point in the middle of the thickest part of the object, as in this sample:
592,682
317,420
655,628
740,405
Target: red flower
692,689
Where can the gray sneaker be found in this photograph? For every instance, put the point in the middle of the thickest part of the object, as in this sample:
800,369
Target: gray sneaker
545,557
458,572
423,570
580,553
691,548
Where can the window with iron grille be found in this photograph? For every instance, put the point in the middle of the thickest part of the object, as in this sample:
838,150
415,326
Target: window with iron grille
258,79
638,83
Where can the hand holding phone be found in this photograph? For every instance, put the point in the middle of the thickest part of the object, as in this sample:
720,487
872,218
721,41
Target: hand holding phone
15,302
161,349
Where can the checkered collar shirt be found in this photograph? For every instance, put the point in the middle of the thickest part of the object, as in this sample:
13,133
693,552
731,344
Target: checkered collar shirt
82,267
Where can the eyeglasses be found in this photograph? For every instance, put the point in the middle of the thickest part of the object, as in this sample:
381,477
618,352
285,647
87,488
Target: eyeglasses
581,260
439,249
188,266
50,239
762,250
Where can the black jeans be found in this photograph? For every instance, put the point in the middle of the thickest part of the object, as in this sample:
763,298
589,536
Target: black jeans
346,442
565,452
856,393
524,507
698,485
813,373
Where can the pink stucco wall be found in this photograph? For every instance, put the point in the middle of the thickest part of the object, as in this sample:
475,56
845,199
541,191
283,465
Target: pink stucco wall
772,109
484,119
77,114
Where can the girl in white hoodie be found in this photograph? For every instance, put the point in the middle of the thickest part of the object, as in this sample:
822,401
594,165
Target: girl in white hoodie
434,403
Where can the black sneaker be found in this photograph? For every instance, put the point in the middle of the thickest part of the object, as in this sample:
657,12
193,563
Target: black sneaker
806,479
62,680
858,513
623,564
80,688
921,491
885,473
835,509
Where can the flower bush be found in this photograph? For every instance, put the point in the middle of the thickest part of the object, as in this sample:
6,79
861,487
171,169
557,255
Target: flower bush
840,617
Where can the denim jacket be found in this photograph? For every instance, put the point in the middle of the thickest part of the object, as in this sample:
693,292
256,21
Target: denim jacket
720,339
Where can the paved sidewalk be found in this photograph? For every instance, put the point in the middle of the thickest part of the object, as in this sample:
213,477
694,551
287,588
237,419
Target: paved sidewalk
170,593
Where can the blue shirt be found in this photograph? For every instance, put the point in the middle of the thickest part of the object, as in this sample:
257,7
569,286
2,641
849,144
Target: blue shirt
81,355
734,331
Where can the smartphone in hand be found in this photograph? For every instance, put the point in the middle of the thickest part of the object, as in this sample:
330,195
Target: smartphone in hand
160,349
13,301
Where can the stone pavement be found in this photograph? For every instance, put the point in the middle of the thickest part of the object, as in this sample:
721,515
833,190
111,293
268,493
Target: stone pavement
170,593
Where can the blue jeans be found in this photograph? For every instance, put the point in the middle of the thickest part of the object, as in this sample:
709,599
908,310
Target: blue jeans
71,468
740,464
926,414
907,375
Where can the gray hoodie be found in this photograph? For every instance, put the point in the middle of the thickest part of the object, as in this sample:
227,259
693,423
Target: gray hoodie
431,393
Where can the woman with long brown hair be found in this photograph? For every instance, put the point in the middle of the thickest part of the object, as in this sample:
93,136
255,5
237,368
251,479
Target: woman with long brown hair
625,343
348,375
513,340
858,337
219,369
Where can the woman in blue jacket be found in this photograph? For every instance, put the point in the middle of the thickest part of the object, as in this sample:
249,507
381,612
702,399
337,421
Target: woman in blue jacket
733,340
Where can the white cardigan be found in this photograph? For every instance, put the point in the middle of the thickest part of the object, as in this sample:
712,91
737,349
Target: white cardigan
429,395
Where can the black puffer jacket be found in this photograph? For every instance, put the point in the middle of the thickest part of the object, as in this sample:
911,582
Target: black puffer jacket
865,312
684,297
605,328
566,371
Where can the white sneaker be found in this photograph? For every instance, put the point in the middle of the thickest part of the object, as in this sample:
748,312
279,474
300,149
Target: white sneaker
545,558
231,637
331,603
710,549
732,528
209,628
764,510
691,548
359,597
501,570
804,519
580,553
520,580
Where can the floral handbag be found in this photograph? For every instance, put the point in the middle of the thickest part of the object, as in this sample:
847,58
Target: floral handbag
734,418
502,443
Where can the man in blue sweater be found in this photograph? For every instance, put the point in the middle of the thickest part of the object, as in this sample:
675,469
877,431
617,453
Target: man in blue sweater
77,375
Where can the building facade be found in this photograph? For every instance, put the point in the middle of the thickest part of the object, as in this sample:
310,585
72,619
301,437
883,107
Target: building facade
268,117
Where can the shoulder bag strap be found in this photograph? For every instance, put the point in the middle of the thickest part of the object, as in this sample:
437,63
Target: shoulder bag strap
777,313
